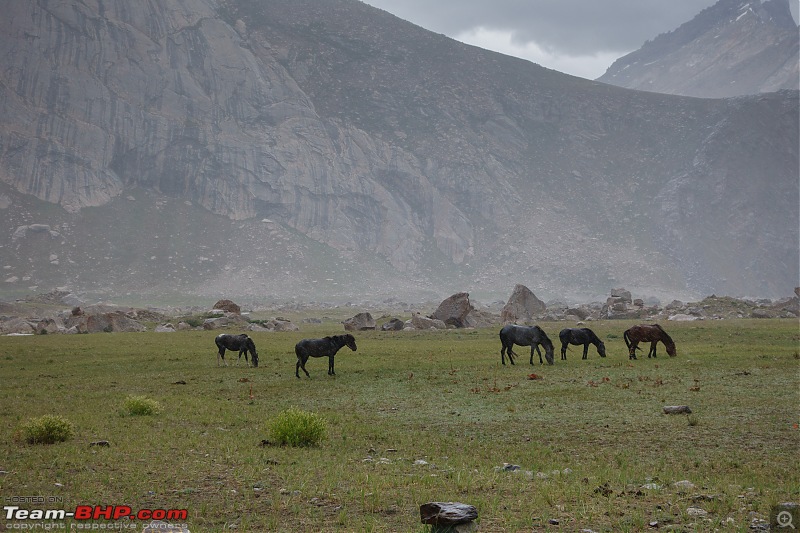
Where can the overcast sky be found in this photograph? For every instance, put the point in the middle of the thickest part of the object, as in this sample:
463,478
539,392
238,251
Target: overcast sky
579,37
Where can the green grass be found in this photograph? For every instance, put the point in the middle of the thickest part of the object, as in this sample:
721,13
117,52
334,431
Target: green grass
587,436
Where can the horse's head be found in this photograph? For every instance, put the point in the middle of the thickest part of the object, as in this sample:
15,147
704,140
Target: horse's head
601,348
548,349
251,346
671,351
350,342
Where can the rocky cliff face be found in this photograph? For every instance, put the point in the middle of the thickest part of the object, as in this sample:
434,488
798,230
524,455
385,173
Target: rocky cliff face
734,48
296,149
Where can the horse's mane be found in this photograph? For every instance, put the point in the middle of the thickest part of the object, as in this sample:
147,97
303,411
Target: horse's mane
666,335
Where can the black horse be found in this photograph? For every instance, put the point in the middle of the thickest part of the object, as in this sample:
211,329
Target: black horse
579,336
241,343
648,333
531,336
325,347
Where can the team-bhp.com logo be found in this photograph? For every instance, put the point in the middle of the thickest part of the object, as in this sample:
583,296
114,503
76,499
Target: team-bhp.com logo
86,513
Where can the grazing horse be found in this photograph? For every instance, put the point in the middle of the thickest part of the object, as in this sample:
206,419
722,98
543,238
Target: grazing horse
531,336
579,336
652,334
325,347
241,343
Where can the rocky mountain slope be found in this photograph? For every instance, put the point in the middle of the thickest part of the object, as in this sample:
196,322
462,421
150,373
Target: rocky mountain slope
330,151
733,48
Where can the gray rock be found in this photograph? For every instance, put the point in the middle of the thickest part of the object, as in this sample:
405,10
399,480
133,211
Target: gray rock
522,305
677,409
623,294
454,310
447,513
359,322
421,322
395,324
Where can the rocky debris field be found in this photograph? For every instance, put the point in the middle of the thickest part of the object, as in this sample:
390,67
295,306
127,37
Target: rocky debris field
63,312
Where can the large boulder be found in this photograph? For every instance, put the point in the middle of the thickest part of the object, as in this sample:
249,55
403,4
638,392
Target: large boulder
422,322
100,322
360,322
395,324
454,310
228,306
623,294
522,305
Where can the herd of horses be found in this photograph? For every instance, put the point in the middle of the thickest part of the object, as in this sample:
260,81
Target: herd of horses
512,334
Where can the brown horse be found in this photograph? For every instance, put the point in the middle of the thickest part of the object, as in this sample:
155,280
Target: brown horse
652,334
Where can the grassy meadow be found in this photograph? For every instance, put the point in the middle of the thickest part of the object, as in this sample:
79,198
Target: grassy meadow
413,417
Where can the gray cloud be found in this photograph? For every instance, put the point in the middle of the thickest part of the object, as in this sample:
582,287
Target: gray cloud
559,28
578,27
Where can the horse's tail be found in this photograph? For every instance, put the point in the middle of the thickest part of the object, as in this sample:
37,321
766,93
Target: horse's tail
627,337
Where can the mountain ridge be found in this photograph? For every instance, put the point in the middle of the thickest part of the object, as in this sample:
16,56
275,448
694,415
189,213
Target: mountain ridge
330,152
732,48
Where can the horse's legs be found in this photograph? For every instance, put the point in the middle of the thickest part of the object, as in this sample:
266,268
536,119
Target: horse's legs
585,350
506,350
632,350
652,349
330,366
221,355
301,363
564,351
535,346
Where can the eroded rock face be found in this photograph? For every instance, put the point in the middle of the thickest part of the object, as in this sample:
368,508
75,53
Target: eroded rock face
226,106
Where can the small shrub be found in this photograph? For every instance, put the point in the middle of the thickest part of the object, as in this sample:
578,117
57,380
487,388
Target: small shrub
295,427
141,406
47,429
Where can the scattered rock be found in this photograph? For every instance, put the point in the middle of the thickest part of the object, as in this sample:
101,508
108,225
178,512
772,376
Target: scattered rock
507,467
395,324
684,485
697,512
102,443
360,322
447,513
682,317
677,409
421,322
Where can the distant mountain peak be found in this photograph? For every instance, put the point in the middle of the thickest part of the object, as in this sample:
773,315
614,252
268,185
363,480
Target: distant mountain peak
732,48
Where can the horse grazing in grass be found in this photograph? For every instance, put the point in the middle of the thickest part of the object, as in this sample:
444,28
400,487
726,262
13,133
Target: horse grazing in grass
579,336
531,336
241,343
325,347
648,333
